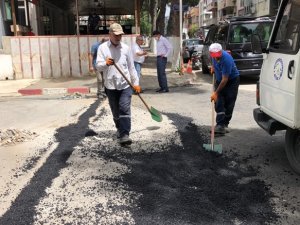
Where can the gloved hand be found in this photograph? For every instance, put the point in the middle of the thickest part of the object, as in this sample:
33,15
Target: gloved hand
214,97
109,61
137,89
212,70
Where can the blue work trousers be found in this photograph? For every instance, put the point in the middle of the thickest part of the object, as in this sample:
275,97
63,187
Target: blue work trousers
138,68
161,72
226,100
120,105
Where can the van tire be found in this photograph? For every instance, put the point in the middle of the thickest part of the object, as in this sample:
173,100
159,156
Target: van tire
205,69
292,148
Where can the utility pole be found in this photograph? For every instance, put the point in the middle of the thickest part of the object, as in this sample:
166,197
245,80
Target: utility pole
13,11
77,19
180,24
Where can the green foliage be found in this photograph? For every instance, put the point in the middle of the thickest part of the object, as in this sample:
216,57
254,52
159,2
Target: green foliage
128,21
145,23
192,31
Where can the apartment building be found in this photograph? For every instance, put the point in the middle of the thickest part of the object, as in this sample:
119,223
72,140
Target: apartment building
222,9
205,16
257,8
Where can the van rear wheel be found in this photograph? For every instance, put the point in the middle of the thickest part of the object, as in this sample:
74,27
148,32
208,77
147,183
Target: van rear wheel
292,148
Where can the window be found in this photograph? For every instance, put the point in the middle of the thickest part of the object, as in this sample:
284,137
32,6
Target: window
210,35
241,33
7,10
221,35
288,31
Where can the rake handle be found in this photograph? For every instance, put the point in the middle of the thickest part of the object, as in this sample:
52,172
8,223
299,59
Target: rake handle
130,84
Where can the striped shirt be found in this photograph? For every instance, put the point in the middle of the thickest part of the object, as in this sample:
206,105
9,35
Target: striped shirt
164,47
123,58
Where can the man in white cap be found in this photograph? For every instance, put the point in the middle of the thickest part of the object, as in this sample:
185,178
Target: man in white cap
117,89
226,86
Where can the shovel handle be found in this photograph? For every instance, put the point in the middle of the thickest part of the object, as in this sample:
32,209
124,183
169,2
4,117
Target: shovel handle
212,136
130,84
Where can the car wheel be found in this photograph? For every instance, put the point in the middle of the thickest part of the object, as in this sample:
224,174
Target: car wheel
205,69
292,148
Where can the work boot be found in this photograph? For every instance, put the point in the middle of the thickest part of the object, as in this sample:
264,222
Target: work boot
220,129
125,140
227,130
118,134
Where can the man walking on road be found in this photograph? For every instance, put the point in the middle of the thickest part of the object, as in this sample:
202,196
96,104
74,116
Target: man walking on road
92,65
164,49
226,86
117,89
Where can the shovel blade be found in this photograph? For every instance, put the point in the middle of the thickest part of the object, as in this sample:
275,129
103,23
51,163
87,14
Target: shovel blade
155,114
213,148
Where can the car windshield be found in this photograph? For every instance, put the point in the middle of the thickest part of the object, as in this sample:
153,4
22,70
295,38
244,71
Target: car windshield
241,33
194,42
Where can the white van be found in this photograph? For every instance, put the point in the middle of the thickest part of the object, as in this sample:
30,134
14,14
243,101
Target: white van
279,84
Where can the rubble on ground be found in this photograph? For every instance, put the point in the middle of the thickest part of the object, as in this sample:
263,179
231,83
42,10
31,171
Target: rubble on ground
14,136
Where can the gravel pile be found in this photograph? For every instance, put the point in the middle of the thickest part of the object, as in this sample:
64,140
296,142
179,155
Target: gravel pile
14,136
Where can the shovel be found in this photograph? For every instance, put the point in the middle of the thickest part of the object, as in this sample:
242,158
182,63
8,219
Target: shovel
155,114
212,146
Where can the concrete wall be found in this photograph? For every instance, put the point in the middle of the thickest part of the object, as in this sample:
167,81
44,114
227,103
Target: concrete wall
52,56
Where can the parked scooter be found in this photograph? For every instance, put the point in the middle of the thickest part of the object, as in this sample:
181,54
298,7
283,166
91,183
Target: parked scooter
196,60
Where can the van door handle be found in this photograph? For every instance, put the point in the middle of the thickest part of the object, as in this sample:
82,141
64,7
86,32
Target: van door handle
291,69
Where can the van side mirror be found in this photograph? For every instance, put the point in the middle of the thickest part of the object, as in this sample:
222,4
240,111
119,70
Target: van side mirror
256,44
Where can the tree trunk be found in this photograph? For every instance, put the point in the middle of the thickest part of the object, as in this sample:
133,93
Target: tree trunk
160,23
173,24
153,13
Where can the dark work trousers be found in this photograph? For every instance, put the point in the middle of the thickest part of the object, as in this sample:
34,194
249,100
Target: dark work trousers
161,72
226,101
120,103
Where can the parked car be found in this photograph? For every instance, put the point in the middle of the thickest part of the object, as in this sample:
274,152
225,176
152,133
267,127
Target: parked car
196,60
235,37
189,46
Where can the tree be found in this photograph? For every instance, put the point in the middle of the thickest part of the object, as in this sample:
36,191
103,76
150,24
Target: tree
157,8
160,22
173,25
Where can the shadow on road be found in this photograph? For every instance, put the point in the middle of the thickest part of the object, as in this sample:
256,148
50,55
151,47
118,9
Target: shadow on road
22,210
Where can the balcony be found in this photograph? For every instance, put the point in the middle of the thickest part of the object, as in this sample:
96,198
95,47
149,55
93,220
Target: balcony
210,21
212,5
226,3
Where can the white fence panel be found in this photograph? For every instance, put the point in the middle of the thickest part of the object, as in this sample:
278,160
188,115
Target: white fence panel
54,56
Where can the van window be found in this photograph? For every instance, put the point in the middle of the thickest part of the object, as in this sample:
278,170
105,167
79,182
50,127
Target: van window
288,31
210,35
241,33
221,35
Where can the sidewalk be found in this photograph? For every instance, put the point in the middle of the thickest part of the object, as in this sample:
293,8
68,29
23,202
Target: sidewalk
87,84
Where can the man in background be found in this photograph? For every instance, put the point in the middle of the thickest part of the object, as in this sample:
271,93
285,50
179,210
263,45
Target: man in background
92,66
138,54
164,50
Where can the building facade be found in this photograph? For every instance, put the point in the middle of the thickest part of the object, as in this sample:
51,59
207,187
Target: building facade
223,9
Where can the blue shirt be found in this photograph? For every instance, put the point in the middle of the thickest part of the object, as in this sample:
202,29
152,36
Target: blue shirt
225,67
94,50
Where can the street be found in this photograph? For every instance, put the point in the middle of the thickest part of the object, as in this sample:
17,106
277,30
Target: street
60,176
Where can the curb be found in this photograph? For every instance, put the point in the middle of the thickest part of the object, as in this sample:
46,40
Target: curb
55,91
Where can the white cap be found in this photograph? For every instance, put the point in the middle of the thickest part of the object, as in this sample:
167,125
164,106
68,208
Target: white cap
215,50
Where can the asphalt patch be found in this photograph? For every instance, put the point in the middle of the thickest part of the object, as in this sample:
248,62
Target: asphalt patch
188,185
